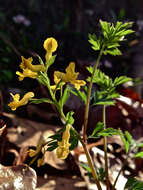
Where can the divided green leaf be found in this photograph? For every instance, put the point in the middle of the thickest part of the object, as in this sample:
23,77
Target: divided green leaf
99,131
96,43
108,132
121,80
112,35
133,184
106,92
52,146
139,155
81,94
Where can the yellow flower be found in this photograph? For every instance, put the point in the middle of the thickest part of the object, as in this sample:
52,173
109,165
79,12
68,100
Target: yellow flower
70,76
50,45
26,73
27,64
63,146
17,102
40,161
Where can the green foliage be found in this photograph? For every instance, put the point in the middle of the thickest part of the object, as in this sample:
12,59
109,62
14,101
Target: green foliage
73,139
57,136
103,98
112,35
43,79
139,155
128,137
52,146
108,132
133,184
127,140
99,131
100,172
99,127
81,94
121,80
140,145
107,87
87,168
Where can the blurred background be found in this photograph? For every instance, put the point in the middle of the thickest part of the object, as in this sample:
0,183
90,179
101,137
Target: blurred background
24,25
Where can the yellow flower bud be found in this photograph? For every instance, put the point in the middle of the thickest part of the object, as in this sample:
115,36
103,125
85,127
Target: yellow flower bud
17,103
50,45
63,146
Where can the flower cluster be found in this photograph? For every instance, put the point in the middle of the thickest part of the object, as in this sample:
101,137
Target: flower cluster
39,72
29,70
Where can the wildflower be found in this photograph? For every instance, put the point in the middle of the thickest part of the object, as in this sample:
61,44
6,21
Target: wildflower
17,102
26,73
70,76
63,146
50,45
36,153
21,19
27,64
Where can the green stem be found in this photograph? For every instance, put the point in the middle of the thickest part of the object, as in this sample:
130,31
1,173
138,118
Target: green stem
90,162
105,151
89,94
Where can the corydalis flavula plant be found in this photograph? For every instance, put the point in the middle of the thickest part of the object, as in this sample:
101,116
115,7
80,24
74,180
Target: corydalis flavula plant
66,83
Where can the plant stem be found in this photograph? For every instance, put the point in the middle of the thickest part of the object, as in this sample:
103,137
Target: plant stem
89,159
90,162
47,83
105,151
86,114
